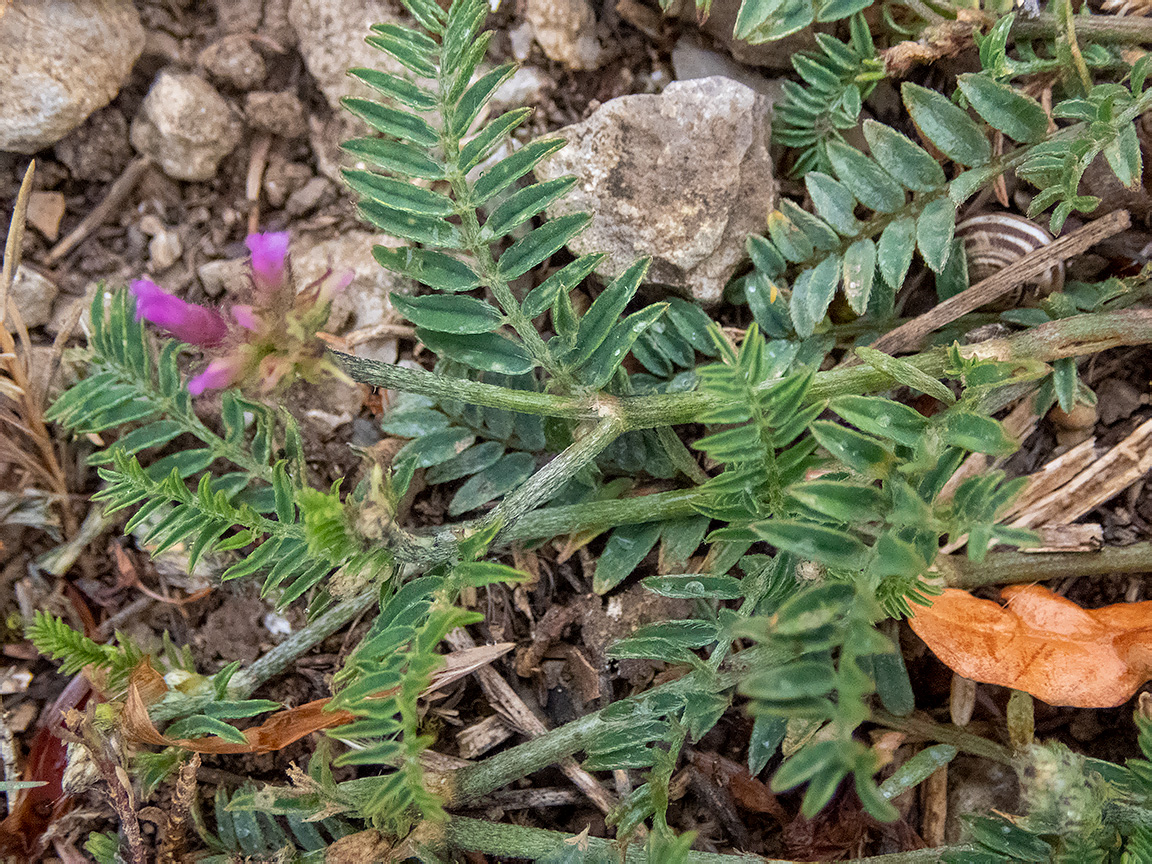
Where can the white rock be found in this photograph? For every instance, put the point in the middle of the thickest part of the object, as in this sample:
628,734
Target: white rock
59,62
31,293
527,86
331,40
691,60
365,301
185,126
164,250
683,177
566,31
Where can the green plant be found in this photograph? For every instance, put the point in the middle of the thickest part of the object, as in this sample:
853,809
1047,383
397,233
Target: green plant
823,506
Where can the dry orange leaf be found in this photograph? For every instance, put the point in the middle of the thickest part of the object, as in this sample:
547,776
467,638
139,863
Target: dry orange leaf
1043,644
146,685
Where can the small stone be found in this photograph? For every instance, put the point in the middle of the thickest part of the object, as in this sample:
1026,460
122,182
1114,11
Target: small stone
1081,417
45,210
1116,400
566,31
150,224
185,126
32,294
280,113
233,62
98,149
308,197
365,433
521,39
59,62
164,250
282,178
62,311
683,177
220,277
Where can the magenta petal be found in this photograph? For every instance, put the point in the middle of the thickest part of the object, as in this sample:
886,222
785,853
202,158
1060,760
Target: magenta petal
189,323
218,375
245,317
268,253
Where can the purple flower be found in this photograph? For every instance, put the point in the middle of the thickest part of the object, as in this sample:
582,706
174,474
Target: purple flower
269,250
189,323
218,375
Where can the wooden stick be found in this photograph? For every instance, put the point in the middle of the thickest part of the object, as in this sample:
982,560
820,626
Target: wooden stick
117,192
908,336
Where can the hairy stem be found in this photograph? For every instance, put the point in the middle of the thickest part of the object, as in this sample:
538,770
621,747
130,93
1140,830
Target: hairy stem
930,730
1005,568
1092,29
517,841
475,781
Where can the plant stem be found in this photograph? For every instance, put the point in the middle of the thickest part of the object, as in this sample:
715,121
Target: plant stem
245,682
1092,29
918,724
547,481
518,841
1004,568
475,781
551,521
1066,337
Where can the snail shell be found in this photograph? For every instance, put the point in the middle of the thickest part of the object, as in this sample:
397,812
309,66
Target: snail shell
994,241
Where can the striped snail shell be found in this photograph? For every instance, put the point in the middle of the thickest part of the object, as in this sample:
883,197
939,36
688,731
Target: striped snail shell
994,241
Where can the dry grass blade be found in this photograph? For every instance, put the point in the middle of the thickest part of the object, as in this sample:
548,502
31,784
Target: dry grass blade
26,445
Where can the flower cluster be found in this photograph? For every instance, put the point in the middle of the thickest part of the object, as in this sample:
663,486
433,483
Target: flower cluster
264,343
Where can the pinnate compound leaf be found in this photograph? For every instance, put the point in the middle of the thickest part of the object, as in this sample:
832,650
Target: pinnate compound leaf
395,156
908,162
830,547
812,294
605,311
434,269
934,229
447,313
606,359
400,89
391,121
947,126
399,194
489,352
509,170
894,251
493,482
626,548
1016,114
872,185
540,244
859,274
1042,643
523,204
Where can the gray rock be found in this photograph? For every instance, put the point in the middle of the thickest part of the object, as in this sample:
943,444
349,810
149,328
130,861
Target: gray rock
683,177
1117,399
308,197
59,62
330,37
185,126
228,276
280,113
774,55
691,60
31,293
566,31
232,61
527,86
